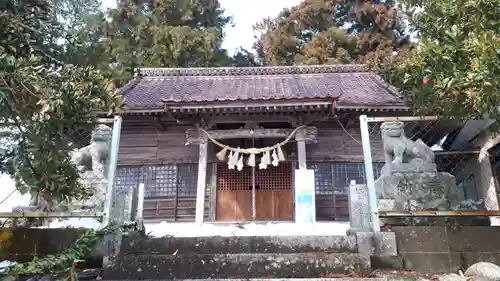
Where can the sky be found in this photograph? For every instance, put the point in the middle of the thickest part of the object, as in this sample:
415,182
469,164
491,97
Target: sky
245,14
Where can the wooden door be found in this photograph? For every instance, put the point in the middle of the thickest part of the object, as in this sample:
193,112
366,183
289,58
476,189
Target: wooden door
273,193
274,196
234,194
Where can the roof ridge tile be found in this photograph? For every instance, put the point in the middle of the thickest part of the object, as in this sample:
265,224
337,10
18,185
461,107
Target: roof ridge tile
264,70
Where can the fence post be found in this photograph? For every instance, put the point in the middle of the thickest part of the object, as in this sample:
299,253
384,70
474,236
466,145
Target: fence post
113,162
140,206
370,179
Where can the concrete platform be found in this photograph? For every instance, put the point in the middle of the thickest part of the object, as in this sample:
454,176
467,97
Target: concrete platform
234,266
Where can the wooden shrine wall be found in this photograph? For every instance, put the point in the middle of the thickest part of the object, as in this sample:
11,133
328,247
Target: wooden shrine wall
337,155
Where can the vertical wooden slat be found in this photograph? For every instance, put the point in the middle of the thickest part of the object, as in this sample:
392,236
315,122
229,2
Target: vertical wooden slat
294,166
213,192
176,194
202,179
333,193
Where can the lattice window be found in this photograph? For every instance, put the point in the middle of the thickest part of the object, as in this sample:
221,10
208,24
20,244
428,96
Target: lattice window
274,178
323,178
335,177
233,179
128,177
344,173
161,180
187,180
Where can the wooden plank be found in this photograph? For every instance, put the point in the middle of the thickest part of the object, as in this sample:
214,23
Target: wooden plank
176,201
213,193
282,204
233,205
202,179
51,214
264,205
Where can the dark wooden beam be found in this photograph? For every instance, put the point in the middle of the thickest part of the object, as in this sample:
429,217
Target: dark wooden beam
250,133
160,126
195,135
345,120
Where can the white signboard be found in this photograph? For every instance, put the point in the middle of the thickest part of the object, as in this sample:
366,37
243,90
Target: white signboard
305,203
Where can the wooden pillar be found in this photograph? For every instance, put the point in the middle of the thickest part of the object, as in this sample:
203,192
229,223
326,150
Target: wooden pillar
300,137
202,182
301,154
304,189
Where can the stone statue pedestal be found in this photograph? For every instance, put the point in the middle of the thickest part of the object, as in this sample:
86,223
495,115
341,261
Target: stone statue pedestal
418,190
415,166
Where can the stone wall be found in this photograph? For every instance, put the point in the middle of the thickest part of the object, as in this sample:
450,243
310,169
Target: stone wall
446,249
23,244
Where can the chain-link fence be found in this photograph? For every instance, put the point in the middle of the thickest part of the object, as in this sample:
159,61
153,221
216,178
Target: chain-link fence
430,167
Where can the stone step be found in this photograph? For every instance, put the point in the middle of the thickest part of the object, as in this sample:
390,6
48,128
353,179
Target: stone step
134,245
304,265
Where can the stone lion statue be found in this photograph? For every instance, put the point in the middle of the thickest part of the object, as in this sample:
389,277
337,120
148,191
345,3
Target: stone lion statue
402,153
92,160
94,157
92,163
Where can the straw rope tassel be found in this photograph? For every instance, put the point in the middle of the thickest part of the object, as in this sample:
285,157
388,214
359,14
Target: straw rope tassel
251,160
229,165
263,164
221,155
281,154
275,161
268,157
234,160
240,165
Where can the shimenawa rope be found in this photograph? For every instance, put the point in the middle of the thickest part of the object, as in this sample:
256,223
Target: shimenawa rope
252,150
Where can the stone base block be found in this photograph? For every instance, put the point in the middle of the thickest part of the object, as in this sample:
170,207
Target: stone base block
379,244
427,190
386,262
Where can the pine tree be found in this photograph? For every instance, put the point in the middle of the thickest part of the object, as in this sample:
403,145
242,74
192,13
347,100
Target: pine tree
332,32
162,33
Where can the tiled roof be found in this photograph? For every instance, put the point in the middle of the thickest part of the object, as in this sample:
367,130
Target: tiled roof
348,84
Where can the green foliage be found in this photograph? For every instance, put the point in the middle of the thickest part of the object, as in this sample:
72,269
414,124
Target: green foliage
160,33
314,32
64,261
455,72
43,99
